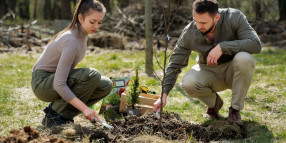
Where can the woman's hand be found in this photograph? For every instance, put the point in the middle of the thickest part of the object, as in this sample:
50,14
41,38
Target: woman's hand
90,114
158,103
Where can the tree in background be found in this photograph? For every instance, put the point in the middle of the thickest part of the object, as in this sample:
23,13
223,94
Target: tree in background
24,9
259,10
149,38
48,9
106,3
282,9
66,12
56,10
35,9
7,4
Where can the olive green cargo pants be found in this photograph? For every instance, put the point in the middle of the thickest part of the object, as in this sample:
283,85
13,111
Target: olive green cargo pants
86,83
204,81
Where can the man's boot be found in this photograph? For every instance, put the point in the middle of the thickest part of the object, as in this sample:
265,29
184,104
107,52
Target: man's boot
234,116
212,113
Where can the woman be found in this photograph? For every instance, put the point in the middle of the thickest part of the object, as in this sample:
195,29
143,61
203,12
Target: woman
54,78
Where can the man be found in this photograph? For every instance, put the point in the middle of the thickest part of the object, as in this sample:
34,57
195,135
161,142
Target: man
224,41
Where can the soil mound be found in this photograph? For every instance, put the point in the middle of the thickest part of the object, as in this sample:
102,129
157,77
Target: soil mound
28,135
175,129
130,127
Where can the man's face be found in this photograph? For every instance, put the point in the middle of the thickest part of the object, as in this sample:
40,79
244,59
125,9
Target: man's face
205,23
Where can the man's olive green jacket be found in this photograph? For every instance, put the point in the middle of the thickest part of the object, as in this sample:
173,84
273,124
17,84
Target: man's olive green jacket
232,32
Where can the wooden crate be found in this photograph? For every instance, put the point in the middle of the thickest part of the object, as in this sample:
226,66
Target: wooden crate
146,102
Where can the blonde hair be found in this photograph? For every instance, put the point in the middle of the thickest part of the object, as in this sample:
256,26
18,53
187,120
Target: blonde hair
82,7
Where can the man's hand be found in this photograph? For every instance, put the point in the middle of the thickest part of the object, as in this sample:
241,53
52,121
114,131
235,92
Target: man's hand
214,55
157,104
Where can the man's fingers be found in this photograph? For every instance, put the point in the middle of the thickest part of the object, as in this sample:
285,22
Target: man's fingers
215,62
208,60
211,61
157,105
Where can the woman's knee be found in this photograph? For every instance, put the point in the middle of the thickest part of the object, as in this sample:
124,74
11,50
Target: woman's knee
108,82
94,74
90,75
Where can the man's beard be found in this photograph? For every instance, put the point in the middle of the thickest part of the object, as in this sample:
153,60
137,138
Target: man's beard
208,31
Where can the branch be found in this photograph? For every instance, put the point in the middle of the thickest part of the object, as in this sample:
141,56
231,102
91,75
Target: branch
175,12
157,76
157,61
171,53
172,71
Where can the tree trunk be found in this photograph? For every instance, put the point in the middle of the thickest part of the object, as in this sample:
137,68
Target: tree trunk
5,5
258,6
282,9
24,9
66,9
35,10
149,38
47,9
106,4
56,10
3,8
12,5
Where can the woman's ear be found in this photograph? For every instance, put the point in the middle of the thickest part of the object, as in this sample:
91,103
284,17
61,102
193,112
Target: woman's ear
80,18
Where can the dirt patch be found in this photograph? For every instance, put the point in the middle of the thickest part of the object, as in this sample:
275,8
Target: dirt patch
176,129
28,134
130,127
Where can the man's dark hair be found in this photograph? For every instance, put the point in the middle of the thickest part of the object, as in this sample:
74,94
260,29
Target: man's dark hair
202,6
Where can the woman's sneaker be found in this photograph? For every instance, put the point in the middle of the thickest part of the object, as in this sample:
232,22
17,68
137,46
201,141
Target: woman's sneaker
52,118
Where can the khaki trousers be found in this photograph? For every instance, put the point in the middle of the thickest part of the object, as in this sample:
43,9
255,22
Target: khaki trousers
86,83
204,81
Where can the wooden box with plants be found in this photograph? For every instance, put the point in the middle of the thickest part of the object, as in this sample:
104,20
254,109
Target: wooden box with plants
133,101
112,100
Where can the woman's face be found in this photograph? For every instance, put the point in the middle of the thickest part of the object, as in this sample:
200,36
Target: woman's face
92,20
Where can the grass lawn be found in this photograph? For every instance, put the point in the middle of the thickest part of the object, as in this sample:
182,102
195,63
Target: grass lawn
265,107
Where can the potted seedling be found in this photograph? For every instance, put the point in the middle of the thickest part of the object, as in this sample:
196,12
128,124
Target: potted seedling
112,107
132,97
114,101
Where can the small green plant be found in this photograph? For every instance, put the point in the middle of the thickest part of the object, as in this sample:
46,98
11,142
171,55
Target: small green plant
134,91
113,99
111,115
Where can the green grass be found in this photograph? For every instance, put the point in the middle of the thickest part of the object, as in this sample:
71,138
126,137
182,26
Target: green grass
265,106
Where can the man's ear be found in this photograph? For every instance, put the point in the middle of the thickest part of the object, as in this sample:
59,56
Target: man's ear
217,17
80,18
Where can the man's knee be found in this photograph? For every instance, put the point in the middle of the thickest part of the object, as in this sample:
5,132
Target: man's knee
244,60
191,85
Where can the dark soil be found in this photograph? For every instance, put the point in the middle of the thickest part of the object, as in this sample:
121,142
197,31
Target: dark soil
28,134
176,129
132,126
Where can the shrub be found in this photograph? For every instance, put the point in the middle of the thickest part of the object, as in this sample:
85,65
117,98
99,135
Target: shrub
133,91
113,99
